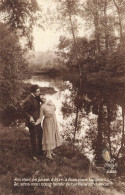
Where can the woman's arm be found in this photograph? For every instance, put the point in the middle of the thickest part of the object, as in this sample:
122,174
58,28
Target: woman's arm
40,117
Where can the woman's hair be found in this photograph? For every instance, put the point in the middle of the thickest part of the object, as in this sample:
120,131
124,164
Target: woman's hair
41,98
41,101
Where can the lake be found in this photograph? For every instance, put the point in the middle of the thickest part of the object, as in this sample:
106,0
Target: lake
90,116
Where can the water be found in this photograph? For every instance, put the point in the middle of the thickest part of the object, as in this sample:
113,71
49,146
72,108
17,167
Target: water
57,98
92,115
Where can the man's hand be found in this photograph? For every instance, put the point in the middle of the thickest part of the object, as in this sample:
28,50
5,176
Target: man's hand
32,120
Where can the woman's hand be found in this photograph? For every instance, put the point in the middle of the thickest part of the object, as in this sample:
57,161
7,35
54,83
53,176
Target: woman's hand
31,119
35,124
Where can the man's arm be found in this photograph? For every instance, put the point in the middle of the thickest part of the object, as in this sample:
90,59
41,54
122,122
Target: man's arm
39,120
26,108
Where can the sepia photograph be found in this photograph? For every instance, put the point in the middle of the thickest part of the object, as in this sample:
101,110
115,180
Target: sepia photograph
62,97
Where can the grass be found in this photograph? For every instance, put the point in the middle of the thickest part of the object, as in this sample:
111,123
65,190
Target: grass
16,162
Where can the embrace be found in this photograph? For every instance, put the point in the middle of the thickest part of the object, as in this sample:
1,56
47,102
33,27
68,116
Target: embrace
37,110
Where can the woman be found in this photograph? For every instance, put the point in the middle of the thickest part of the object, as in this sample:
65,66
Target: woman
51,138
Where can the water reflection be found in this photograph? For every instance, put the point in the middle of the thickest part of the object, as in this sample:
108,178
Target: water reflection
90,116
105,129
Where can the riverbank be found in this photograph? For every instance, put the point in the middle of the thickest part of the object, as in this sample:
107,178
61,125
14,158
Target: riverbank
68,166
92,78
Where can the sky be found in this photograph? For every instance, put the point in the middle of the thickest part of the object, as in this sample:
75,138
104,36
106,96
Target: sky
46,39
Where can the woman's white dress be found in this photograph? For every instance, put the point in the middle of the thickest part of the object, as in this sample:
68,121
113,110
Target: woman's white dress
51,137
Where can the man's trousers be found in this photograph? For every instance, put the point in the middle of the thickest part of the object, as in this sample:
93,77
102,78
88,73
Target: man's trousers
35,139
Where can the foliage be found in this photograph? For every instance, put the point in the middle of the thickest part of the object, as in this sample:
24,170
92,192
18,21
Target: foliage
20,16
95,112
88,58
86,54
13,68
103,49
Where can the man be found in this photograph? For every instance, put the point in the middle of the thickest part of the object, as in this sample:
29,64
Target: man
31,107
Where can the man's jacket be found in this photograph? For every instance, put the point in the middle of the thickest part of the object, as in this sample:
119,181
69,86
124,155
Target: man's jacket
31,107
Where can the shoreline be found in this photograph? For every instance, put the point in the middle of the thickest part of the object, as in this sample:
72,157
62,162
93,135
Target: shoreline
92,78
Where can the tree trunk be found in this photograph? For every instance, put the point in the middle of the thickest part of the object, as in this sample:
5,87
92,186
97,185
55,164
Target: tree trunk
96,23
75,43
99,136
120,23
76,123
123,130
106,27
109,130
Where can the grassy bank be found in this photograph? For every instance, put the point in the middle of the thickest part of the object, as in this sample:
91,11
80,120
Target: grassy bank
16,162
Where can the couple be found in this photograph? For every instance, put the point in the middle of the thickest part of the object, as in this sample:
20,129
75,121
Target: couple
35,108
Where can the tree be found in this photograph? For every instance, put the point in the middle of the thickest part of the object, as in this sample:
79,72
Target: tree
20,16
106,127
120,9
68,11
104,19
13,68
88,60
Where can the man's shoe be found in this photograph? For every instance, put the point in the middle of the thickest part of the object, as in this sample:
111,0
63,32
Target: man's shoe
53,153
35,158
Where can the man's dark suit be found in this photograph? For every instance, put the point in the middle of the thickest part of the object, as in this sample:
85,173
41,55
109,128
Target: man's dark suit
31,107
